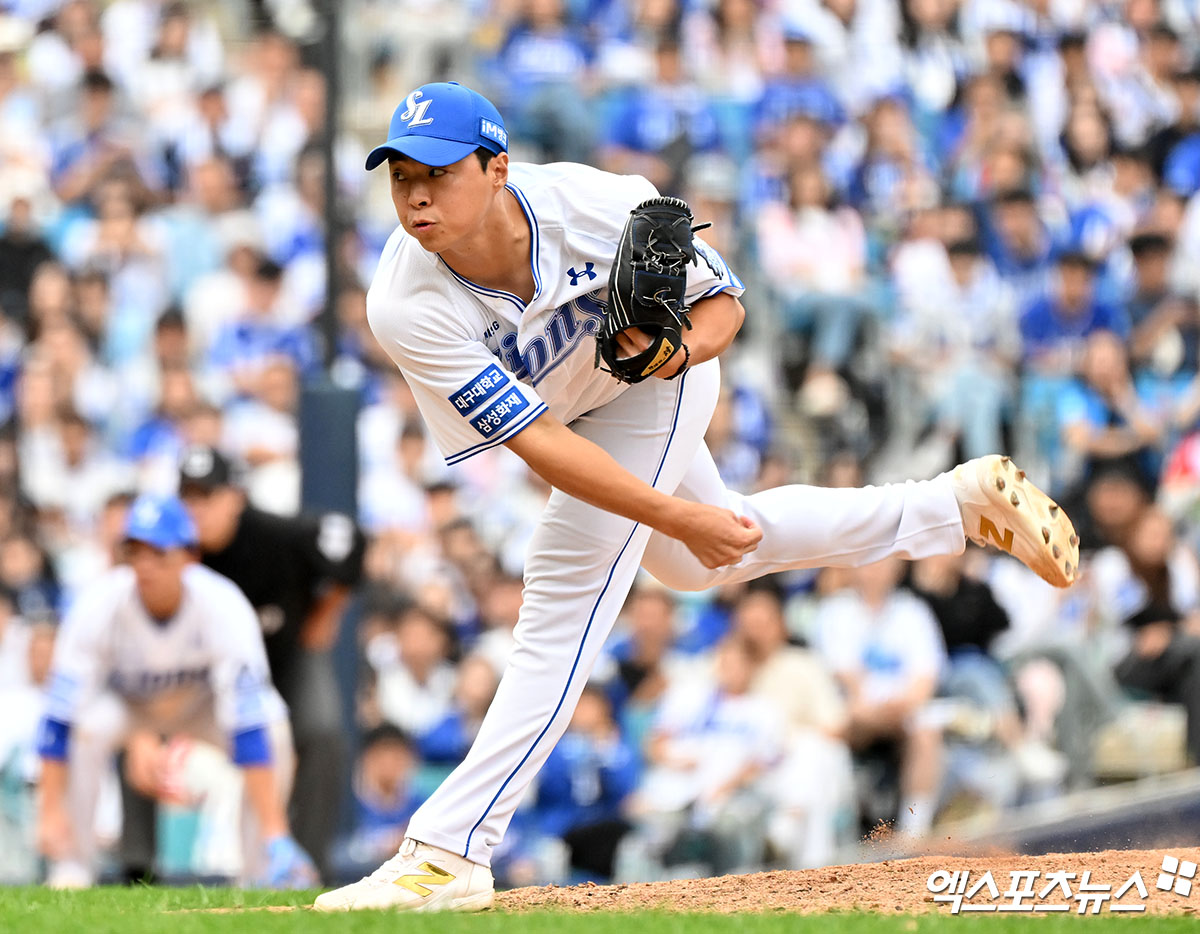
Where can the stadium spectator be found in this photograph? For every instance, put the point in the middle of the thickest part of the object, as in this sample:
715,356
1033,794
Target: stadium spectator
954,339
656,130
384,800
414,688
1106,416
642,660
583,786
809,786
701,799
446,742
242,348
1020,244
814,256
1164,663
545,65
885,648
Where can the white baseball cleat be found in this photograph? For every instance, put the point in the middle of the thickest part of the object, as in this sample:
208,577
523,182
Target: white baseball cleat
420,877
69,874
1001,507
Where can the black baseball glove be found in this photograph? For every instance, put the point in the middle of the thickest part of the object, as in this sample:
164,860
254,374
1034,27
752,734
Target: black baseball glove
646,288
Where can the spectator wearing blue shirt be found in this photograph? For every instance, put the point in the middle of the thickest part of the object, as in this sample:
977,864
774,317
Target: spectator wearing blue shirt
93,146
447,741
583,784
894,170
1106,417
642,659
383,799
1054,328
657,128
1162,146
798,90
242,348
545,63
1019,244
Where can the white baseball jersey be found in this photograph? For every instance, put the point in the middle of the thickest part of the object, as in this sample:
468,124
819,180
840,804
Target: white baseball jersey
481,363
208,655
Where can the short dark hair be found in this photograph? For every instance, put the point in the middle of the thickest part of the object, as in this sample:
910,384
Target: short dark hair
1077,259
386,733
96,80
1146,244
268,270
968,246
1014,196
484,155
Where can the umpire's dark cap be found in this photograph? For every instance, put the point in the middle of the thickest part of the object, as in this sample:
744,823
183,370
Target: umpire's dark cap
203,468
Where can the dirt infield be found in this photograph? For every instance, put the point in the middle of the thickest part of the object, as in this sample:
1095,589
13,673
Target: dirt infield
890,887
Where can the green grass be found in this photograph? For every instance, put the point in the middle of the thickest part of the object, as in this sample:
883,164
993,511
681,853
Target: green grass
157,911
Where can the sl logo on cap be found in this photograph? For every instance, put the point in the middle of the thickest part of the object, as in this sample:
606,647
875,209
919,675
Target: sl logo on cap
414,113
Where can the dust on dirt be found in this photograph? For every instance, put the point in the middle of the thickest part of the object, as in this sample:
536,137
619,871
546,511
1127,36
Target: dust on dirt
892,886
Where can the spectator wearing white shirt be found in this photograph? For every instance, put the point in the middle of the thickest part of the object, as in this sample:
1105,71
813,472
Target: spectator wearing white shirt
955,343
413,689
886,649
711,744
810,786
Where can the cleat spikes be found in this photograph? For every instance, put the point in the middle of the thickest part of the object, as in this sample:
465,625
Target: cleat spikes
1001,506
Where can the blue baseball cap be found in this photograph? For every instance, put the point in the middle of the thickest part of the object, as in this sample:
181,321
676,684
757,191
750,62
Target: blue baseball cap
161,521
441,123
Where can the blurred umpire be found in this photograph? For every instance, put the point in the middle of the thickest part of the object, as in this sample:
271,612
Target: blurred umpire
297,572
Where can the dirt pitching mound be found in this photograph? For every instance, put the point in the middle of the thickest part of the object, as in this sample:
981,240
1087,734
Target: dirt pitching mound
890,887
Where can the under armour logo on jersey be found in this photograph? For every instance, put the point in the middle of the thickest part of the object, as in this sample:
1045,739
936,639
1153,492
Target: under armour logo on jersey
414,113
588,270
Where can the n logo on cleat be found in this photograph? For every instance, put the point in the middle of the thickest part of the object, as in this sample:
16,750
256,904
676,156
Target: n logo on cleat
987,529
433,875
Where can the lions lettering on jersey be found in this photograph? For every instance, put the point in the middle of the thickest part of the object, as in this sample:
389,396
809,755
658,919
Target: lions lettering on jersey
577,319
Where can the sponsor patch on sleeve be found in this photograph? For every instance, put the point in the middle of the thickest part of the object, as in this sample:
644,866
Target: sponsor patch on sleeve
491,422
481,389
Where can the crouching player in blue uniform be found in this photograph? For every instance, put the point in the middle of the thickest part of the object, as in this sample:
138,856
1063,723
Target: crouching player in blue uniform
164,659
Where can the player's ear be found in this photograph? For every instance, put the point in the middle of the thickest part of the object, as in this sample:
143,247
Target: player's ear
498,170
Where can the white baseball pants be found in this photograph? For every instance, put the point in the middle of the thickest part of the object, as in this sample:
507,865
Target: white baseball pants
582,562
100,733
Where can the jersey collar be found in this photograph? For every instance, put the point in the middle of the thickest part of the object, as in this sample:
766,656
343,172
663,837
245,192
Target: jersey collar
535,244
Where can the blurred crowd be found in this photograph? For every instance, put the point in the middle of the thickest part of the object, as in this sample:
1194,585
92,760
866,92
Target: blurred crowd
966,226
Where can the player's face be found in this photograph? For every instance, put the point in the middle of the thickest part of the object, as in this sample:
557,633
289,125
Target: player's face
159,574
443,205
215,513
